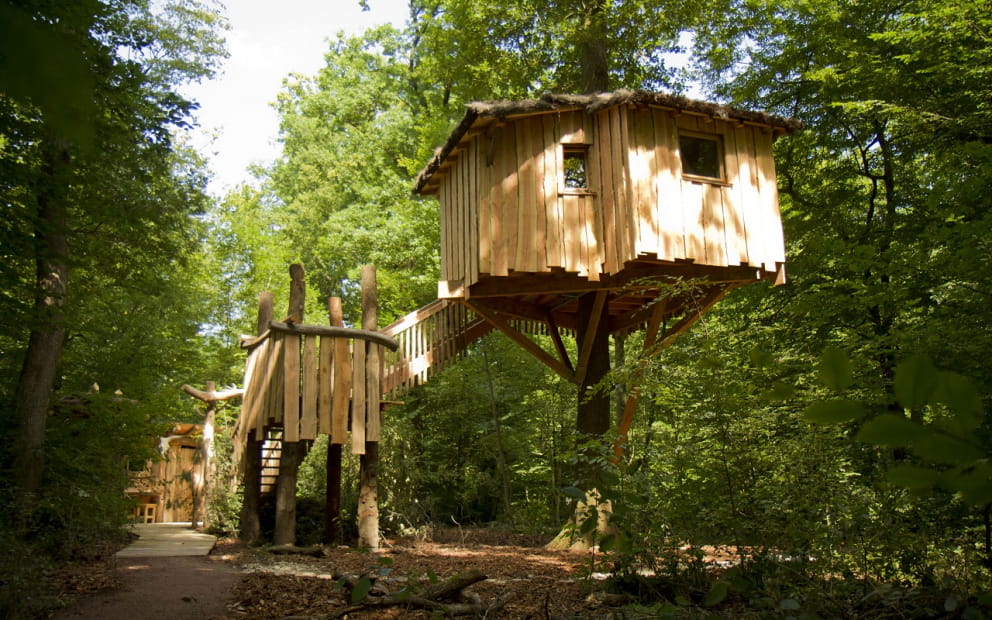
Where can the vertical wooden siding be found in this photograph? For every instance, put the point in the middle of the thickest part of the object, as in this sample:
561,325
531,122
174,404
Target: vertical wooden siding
512,217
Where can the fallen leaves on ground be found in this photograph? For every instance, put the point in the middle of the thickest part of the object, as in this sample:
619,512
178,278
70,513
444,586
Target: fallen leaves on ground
534,582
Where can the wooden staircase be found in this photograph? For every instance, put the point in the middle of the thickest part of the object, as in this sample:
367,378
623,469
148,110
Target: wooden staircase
271,454
431,339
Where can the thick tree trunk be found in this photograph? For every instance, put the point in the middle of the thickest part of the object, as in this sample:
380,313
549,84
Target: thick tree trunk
594,49
250,528
41,361
593,417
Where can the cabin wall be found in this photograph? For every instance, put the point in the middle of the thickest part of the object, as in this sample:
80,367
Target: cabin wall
504,207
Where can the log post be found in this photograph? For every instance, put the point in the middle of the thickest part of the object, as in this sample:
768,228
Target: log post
251,529
203,475
332,505
292,451
368,493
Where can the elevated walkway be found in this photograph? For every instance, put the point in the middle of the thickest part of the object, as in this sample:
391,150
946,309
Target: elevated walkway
167,540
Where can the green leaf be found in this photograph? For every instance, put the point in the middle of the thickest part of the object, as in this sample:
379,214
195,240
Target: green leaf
889,430
962,398
760,358
574,493
973,485
913,477
361,590
945,449
835,369
717,594
915,382
780,391
608,542
834,411
788,604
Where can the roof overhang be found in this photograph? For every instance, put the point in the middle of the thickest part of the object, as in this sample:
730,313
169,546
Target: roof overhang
479,112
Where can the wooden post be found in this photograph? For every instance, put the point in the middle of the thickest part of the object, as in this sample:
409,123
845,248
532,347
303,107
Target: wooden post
292,451
203,476
250,529
332,505
368,506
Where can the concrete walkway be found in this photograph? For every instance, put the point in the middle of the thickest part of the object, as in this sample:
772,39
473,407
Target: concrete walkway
167,540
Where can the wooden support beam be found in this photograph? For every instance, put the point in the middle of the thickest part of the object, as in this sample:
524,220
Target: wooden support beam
599,304
250,526
556,339
337,332
368,488
653,345
528,345
292,450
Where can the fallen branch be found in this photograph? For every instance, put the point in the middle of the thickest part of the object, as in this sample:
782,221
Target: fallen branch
314,550
439,597
212,396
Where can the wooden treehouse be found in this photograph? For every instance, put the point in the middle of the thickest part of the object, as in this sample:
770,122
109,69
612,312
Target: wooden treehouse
592,215
578,213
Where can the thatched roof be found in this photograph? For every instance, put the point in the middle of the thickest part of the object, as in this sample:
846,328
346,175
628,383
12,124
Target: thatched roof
591,103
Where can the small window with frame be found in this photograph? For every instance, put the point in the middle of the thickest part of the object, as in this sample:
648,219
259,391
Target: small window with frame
702,157
575,169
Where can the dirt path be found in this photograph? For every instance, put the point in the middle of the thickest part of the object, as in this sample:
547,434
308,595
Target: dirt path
163,588
235,583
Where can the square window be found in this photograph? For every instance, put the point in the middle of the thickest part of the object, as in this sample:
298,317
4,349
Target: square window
574,166
702,156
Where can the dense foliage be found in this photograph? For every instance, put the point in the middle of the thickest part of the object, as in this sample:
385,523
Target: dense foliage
104,293
827,437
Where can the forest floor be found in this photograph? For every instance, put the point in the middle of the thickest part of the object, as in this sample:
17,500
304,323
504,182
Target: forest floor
522,580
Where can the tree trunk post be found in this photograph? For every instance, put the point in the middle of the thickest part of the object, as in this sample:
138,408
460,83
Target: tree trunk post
207,450
593,419
293,452
368,494
332,504
41,361
251,529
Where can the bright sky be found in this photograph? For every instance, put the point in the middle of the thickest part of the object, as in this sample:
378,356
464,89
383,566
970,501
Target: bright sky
268,40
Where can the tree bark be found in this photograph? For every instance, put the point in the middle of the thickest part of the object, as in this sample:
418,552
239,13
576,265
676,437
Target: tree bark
41,361
593,49
250,528
593,416
368,497
332,504
368,493
293,452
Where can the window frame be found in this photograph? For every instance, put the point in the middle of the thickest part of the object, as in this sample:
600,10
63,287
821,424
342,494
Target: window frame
721,157
565,150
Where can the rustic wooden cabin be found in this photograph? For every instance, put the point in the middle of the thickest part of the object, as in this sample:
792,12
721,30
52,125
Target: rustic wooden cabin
578,188
163,489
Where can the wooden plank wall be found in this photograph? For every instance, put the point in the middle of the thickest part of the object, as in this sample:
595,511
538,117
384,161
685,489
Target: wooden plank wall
304,385
512,217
